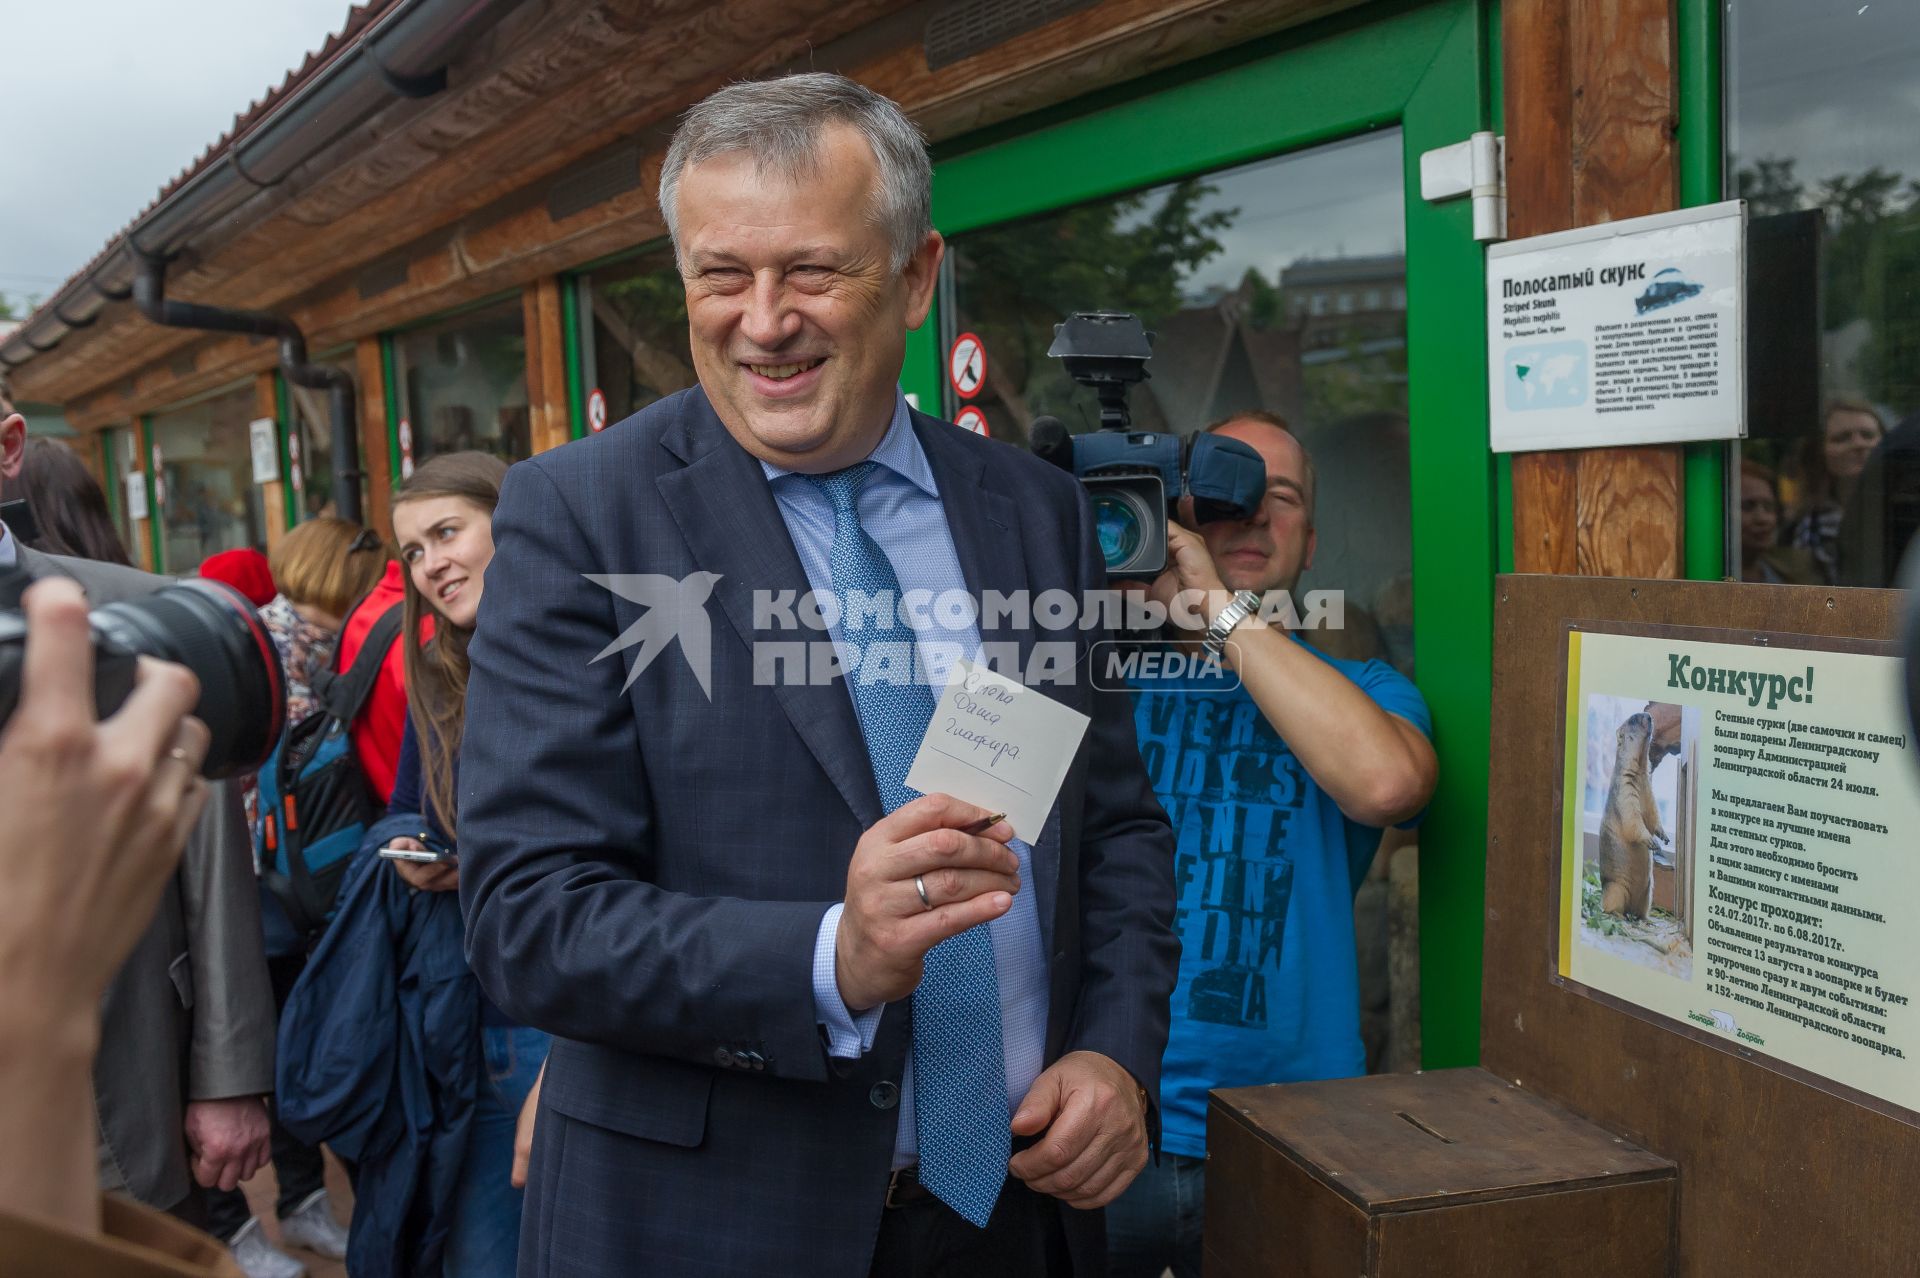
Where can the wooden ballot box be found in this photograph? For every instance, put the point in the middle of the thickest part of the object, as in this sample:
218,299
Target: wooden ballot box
1448,1174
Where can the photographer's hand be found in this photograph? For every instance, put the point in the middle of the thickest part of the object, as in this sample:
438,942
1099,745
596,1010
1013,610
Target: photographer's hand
95,815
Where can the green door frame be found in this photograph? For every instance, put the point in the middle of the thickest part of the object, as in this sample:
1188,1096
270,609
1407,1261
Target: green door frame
154,514
1424,69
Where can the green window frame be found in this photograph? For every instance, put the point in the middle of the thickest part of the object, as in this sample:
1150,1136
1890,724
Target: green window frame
1426,70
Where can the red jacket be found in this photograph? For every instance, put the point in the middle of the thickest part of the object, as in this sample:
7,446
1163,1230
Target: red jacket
382,720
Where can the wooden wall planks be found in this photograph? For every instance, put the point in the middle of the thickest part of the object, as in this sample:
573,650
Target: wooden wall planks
1777,1177
483,248
1590,111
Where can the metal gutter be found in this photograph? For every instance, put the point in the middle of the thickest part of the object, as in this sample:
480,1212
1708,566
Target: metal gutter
404,53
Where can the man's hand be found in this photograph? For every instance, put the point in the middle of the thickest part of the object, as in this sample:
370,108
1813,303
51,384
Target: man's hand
885,930
423,876
1096,1131
1190,588
523,1132
228,1139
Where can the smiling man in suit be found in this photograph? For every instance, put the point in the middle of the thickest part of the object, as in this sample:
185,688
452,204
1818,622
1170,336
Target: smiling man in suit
807,1021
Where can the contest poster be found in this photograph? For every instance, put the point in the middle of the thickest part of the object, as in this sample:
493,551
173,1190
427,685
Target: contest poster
1740,849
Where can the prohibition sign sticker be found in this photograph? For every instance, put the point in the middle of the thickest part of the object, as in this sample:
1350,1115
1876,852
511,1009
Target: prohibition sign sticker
971,418
967,366
597,411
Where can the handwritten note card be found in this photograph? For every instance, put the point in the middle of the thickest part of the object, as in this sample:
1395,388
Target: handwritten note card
999,744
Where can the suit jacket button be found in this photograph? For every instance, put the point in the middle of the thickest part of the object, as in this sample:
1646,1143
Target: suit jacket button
758,1061
883,1095
743,1058
723,1058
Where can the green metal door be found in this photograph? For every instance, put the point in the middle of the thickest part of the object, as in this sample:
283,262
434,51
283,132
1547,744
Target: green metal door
1152,170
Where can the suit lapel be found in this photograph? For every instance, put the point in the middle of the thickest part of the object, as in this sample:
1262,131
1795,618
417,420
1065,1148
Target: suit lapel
725,509
985,525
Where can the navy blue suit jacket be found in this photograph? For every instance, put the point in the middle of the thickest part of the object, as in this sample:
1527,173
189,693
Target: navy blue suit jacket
644,871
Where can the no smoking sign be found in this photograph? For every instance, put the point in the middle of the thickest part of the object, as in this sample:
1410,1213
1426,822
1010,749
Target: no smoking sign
967,365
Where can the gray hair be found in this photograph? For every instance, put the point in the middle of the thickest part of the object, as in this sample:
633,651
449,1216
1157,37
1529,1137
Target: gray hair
779,123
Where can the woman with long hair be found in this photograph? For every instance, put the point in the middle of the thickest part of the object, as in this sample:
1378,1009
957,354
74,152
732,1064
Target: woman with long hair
443,522
1830,466
68,505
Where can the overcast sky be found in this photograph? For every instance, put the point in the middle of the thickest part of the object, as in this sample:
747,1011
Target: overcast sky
102,102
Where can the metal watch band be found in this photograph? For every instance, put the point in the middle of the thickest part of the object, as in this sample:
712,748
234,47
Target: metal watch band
1243,605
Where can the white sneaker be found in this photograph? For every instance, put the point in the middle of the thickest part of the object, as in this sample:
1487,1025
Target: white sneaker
259,1258
311,1225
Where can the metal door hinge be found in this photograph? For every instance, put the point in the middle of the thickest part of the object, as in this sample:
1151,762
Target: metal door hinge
1476,168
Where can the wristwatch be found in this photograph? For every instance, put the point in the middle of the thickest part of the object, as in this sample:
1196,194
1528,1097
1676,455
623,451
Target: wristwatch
1243,605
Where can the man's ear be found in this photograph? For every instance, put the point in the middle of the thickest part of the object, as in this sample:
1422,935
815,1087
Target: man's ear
921,273
13,445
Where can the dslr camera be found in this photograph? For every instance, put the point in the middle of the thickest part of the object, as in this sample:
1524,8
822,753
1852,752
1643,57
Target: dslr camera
205,626
1137,478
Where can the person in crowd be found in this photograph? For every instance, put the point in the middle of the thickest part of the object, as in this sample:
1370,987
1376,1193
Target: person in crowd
1762,557
186,1043
443,522
95,815
1878,535
246,570
715,888
438,1197
1280,775
319,569
382,721
1830,466
69,509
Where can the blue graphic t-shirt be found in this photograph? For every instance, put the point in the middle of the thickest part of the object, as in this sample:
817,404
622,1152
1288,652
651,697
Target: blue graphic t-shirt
1265,868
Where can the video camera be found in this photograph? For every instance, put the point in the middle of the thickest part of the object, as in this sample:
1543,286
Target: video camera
1137,478
206,626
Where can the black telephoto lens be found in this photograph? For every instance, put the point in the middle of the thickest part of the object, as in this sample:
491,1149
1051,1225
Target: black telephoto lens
206,626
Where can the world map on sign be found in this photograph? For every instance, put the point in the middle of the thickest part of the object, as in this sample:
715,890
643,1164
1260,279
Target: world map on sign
1553,375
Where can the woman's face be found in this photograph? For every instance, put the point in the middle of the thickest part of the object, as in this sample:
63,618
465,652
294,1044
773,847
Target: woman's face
446,544
1851,436
1759,514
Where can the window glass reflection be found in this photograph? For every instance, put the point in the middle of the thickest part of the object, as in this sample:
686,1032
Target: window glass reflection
209,501
1822,143
637,313
464,383
311,443
1277,286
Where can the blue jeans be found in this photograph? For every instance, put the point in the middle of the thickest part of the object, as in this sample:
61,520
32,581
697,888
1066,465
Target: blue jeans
483,1239
1155,1225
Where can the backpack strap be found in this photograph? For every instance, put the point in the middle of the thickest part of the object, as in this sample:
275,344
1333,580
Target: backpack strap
344,692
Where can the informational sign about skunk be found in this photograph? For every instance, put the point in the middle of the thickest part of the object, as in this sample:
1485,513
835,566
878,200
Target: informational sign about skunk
1626,333
1737,850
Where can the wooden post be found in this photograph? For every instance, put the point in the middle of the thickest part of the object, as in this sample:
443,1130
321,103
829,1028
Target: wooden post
1590,109
273,496
546,364
375,453
142,547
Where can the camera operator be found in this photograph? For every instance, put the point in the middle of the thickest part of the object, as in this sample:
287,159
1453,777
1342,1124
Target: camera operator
186,1043
95,816
1278,784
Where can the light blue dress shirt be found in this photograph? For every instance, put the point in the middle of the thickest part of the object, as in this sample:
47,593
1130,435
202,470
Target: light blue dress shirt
900,509
8,555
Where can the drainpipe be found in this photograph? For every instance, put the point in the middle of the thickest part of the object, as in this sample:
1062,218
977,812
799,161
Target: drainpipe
150,295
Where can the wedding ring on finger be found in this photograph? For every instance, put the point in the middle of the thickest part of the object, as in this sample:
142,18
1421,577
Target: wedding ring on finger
920,886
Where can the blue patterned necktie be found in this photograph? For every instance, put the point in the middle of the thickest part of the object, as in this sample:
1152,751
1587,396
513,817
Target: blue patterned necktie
959,1072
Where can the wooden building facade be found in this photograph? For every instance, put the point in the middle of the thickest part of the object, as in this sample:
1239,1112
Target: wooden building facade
482,253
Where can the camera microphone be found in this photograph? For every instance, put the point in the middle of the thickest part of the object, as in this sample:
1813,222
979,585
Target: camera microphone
1050,441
